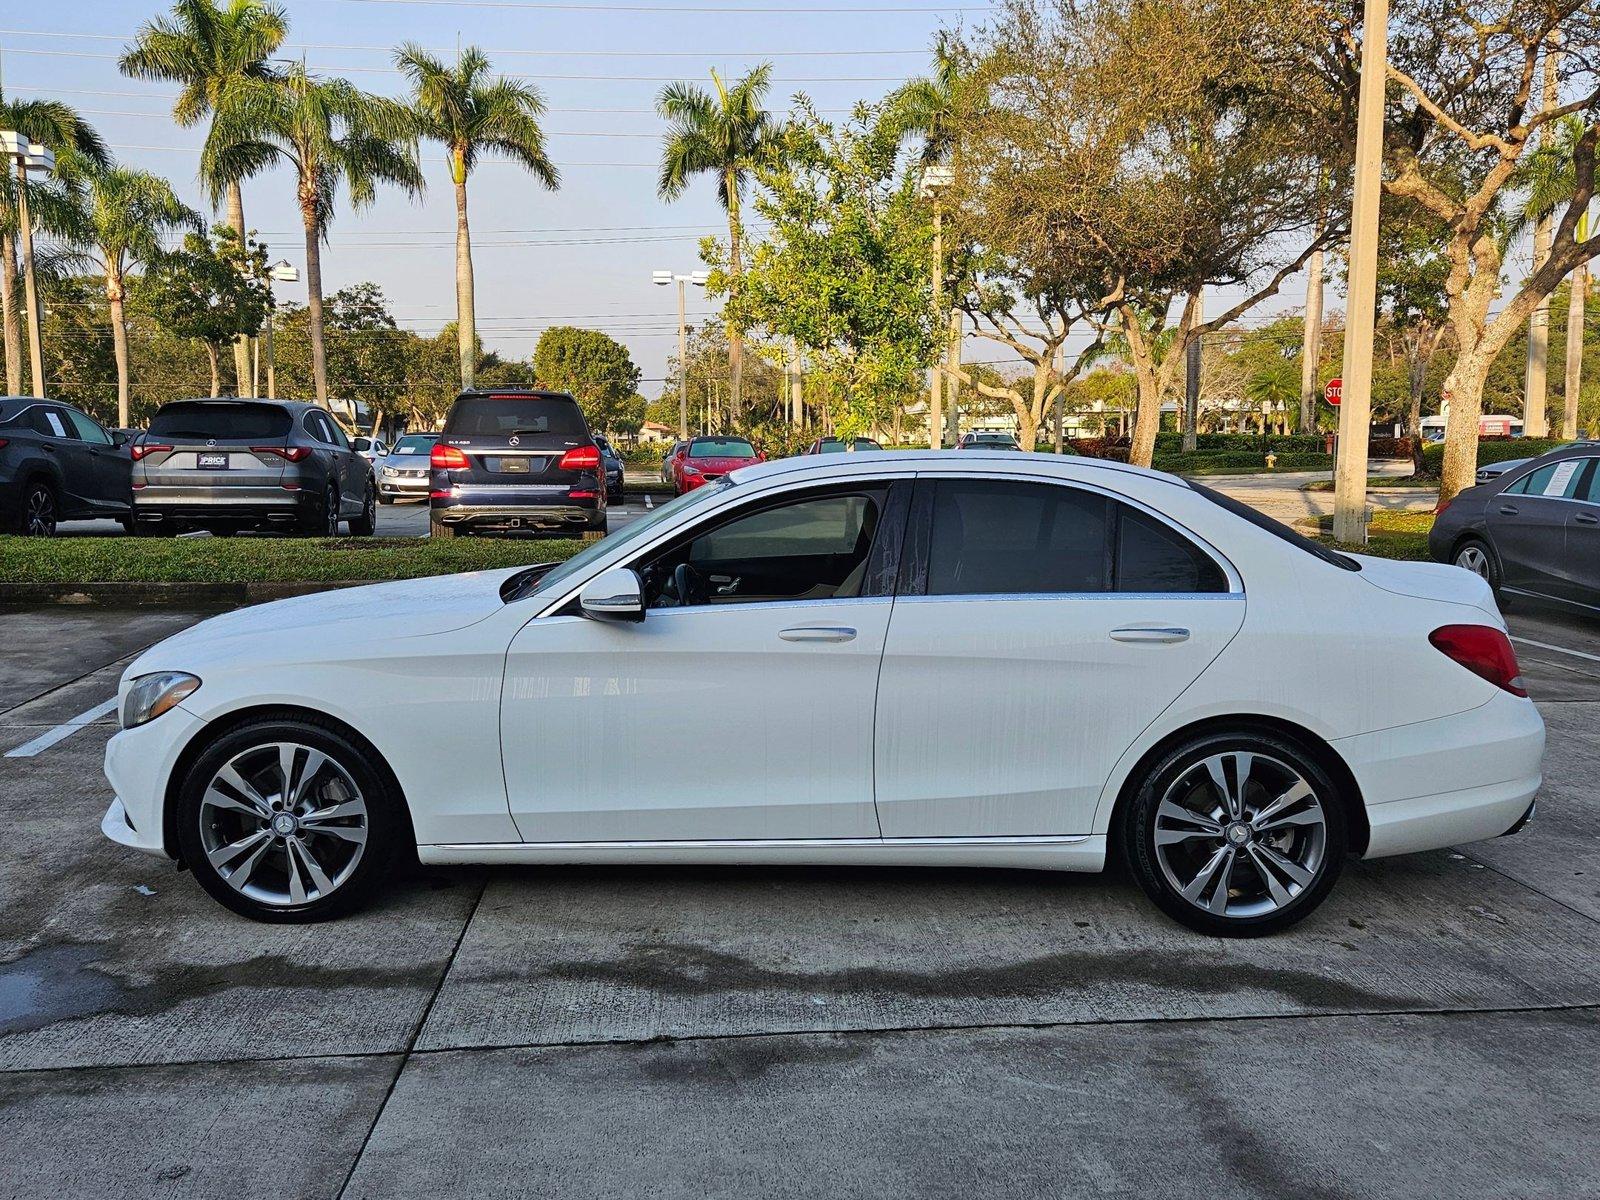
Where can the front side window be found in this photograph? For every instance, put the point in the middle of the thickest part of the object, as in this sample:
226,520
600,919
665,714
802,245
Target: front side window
1589,489
88,428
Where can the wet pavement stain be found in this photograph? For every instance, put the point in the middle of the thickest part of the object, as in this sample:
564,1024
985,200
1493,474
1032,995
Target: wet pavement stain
52,984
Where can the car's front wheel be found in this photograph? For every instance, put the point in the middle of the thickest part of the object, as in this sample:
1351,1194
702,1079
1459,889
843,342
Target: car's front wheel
288,820
1477,556
1236,834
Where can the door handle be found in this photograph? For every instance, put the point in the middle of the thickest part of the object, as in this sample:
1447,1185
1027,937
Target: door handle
48,447
1509,510
1164,634
1587,519
817,633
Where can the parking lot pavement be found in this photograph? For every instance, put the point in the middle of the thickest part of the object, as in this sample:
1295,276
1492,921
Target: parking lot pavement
1431,1031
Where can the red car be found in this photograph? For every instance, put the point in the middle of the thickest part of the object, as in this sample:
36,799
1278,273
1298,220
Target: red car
707,459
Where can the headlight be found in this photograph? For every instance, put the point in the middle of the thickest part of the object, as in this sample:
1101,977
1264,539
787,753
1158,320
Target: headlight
152,695
390,471
688,470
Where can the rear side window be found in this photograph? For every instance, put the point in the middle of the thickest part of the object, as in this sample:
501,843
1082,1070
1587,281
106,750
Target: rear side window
1589,489
51,422
1154,557
502,416
994,537
224,421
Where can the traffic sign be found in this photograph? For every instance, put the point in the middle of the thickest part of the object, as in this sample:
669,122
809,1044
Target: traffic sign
1331,392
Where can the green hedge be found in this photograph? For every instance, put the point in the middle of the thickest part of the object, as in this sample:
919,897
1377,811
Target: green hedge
1491,450
1291,443
1232,460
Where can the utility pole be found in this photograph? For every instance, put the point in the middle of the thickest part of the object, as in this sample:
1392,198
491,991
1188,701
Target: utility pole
1060,365
1355,407
936,180
1311,345
1191,381
797,388
952,380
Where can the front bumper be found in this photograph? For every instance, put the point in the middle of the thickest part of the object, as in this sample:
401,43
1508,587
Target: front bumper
139,764
403,485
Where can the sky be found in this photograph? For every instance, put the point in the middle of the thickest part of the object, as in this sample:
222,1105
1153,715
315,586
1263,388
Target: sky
582,255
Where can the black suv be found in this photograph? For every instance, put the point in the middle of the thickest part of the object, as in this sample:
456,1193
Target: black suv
58,464
513,459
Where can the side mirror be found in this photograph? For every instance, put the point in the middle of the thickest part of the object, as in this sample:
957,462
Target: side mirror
613,595
120,437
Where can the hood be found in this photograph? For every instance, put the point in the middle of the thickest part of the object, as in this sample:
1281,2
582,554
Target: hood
1429,581
719,464
306,626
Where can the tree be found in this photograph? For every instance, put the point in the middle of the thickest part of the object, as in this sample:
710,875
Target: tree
331,133
1462,121
1412,272
729,136
209,291
206,48
126,213
52,124
594,368
461,108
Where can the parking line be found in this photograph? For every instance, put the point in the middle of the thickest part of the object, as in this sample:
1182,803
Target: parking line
62,731
1557,649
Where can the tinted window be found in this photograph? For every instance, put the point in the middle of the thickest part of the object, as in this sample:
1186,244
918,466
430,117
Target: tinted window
721,448
501,416
827,525
1154,557
1589,489
335,433
52,422
193,419
1558,480
88,428
991,537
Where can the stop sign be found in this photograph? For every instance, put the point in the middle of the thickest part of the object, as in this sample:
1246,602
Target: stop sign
1331,392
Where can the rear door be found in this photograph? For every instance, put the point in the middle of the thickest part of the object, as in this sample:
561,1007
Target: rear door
1528,525
1038,629
60,444
1581,576
212,444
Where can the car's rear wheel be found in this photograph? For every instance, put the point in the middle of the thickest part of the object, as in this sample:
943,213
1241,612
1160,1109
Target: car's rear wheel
383,499
438,529
323,520
38,515
1236,834
288,820
594,535
367,522
1475,555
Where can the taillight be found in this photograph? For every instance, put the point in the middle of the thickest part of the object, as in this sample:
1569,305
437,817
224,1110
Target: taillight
4,442
580,458
1483,650
447,458
145,449
1441,506
288,453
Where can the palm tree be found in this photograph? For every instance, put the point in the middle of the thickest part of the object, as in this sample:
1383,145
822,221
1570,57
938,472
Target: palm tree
469,113
727,135
205,48
57,126
125,215
330,132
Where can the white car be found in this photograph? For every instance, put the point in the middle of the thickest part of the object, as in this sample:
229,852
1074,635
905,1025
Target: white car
988,659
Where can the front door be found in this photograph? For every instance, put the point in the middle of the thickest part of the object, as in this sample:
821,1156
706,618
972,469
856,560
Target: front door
1039,629
739,709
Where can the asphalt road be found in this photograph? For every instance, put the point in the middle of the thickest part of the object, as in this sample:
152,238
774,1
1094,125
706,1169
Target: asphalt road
1431,1031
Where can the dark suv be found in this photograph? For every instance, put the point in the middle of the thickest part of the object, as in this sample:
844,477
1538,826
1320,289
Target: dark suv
57,464
514,459
226,465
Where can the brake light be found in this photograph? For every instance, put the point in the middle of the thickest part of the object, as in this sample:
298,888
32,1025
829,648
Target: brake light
287,453
580,458
145,449
1483,650
447,458
1441,506
4,442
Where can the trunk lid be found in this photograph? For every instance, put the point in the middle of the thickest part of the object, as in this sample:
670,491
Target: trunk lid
1429,581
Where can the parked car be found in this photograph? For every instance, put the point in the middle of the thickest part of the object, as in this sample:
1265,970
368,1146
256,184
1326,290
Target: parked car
861,644
1492,471
374,450
707,459
611,461
516,459
229,465
669,461
57,463
984,440
1534,531
833,445
403,474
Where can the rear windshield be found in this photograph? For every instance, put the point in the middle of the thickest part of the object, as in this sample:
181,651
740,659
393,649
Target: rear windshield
207,420
415,443
721,448
502,416
1277,529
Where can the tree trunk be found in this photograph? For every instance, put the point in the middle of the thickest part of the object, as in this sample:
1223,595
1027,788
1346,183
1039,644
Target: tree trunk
952,381
1579,283
1191,381
216,370
466,311
1535,420
735,270
1311,346
13,327
119,334
1463,392
30,289
319,354
241,344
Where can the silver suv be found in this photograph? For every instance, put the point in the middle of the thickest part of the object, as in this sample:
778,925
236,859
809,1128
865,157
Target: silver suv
227,465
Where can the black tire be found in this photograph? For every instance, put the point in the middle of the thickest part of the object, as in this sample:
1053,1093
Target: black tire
594,535
1480,559
388,831
438,529
37,510
323,520
147,529
129,526
1317,850
382,499
367,523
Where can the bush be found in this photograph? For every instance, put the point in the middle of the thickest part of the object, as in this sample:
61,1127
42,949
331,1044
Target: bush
1389,447
1281,443
1233,460
1491,450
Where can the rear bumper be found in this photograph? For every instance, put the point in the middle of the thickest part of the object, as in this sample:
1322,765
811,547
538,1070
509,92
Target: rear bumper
1460,778
155,502
512,513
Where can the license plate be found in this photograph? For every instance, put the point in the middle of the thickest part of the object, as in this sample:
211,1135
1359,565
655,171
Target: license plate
212,462
514,466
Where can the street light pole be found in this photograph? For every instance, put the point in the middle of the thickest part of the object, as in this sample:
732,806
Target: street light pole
662,279
1355,402
282,271
29,156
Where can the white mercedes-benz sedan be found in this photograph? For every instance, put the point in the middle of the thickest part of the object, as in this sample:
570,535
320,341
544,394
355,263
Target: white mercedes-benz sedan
902,658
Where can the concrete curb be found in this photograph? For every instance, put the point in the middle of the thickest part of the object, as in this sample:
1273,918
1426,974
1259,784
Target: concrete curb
173,595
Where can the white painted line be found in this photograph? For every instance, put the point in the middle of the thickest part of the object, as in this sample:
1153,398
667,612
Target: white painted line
1557,649
63,731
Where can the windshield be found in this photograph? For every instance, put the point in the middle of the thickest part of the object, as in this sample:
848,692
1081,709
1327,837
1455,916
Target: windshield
721,448
498,416
206,419
1277,529
630,533
415,443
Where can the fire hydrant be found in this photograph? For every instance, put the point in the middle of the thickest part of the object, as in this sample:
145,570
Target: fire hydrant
1272,461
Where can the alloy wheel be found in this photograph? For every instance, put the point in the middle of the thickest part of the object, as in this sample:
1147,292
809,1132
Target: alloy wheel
1475,560
39,514
283,823
330,506
1239,834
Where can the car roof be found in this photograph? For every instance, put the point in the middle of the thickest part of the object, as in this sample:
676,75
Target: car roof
870,462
